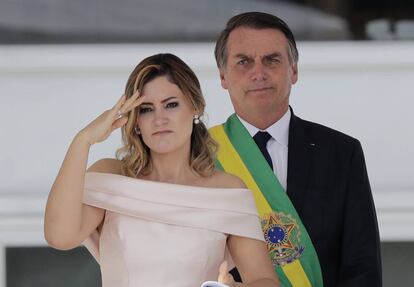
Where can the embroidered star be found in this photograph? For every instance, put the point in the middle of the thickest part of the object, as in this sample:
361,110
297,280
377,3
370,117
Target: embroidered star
275,222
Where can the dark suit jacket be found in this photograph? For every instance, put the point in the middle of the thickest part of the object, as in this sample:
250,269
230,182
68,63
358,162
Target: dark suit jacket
328,185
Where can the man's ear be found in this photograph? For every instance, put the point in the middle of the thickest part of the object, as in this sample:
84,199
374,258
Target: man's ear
223,78
294,73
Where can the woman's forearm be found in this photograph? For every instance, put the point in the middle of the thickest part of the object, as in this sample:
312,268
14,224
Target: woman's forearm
63,215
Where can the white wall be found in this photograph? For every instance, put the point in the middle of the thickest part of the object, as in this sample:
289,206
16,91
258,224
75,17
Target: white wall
48,93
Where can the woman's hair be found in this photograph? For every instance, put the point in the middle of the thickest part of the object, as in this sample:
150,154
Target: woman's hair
135,155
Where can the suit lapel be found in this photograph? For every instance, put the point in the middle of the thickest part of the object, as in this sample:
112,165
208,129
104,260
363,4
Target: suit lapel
300,157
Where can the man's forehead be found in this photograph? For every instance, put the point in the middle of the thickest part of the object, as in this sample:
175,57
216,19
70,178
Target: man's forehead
246,33
253,42
260,52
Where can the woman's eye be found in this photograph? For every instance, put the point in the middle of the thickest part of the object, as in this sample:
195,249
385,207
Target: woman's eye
172,105
144,110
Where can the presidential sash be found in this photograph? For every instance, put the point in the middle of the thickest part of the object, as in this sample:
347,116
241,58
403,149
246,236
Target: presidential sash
290,247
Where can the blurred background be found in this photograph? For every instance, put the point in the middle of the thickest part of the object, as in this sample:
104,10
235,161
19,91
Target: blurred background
63,62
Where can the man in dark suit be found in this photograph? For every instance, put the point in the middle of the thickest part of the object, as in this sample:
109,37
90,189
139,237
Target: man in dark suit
322,170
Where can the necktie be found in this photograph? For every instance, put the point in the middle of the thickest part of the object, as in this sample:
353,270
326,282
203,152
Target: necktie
261,139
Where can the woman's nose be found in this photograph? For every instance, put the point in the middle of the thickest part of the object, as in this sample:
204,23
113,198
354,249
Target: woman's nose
160,117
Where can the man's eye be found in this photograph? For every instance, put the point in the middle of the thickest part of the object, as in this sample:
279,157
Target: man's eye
144,110
172,105
242,62
272,61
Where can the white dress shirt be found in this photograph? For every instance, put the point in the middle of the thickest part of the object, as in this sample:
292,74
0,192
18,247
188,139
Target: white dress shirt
277,146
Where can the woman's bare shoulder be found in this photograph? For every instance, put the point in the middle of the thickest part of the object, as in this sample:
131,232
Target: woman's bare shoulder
225,180
107,165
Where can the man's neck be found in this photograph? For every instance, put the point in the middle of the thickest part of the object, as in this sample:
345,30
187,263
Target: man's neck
263,121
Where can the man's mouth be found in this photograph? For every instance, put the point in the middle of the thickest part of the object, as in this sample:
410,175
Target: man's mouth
259,89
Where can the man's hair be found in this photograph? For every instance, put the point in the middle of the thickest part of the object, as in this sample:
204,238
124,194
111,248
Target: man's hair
255,20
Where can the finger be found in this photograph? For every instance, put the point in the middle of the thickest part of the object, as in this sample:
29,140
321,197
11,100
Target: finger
229,280
135,104
119,123
129,102
222,272
119,103
115,111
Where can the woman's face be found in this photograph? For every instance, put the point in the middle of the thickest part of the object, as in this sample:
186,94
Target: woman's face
165,117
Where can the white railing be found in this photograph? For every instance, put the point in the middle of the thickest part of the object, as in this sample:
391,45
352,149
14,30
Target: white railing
49,92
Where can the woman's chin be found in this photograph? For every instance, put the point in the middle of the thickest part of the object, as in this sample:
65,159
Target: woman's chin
163,149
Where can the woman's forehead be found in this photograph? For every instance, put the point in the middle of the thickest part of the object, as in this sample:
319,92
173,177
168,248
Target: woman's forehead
160,89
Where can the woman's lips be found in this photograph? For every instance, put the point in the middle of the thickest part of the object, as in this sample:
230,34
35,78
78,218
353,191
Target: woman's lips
161,133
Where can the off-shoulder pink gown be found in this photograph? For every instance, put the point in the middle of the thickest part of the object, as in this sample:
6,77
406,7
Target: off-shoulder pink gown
165,235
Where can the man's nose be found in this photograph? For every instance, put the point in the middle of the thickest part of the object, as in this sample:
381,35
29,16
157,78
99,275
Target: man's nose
258,72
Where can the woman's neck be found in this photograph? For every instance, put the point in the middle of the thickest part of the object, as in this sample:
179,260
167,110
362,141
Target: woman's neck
172,167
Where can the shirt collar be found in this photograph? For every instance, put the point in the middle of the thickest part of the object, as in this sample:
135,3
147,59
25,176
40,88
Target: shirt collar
279,130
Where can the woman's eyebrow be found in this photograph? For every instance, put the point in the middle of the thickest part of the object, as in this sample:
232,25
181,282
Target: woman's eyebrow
163,101
167,99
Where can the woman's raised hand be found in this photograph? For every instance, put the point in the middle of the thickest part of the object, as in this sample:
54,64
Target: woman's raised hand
101,127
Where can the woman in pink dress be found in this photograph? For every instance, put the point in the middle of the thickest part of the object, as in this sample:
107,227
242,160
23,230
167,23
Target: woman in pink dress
160,214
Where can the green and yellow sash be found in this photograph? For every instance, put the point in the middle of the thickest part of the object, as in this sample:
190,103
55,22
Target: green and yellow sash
290,247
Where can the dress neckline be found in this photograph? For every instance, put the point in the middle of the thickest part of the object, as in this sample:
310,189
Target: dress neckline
161,182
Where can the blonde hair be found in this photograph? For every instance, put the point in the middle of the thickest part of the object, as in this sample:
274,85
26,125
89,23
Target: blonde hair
135,155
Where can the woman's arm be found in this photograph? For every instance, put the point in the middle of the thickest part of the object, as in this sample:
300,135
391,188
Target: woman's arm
253,262
67,220
250,256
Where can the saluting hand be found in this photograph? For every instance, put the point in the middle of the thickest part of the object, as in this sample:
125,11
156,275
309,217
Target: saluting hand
101,127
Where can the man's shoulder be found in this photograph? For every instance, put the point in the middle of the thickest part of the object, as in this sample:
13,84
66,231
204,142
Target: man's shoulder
320,132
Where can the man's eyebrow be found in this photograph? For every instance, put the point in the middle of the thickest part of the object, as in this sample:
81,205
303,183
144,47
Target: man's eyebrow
273,55
241,56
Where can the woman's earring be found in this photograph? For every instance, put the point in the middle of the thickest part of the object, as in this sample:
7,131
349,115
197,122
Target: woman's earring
196,119
137,131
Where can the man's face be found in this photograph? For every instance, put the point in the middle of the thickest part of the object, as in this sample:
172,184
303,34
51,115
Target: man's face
258,73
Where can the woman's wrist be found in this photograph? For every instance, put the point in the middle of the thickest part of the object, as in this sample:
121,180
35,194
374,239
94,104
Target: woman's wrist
82,138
